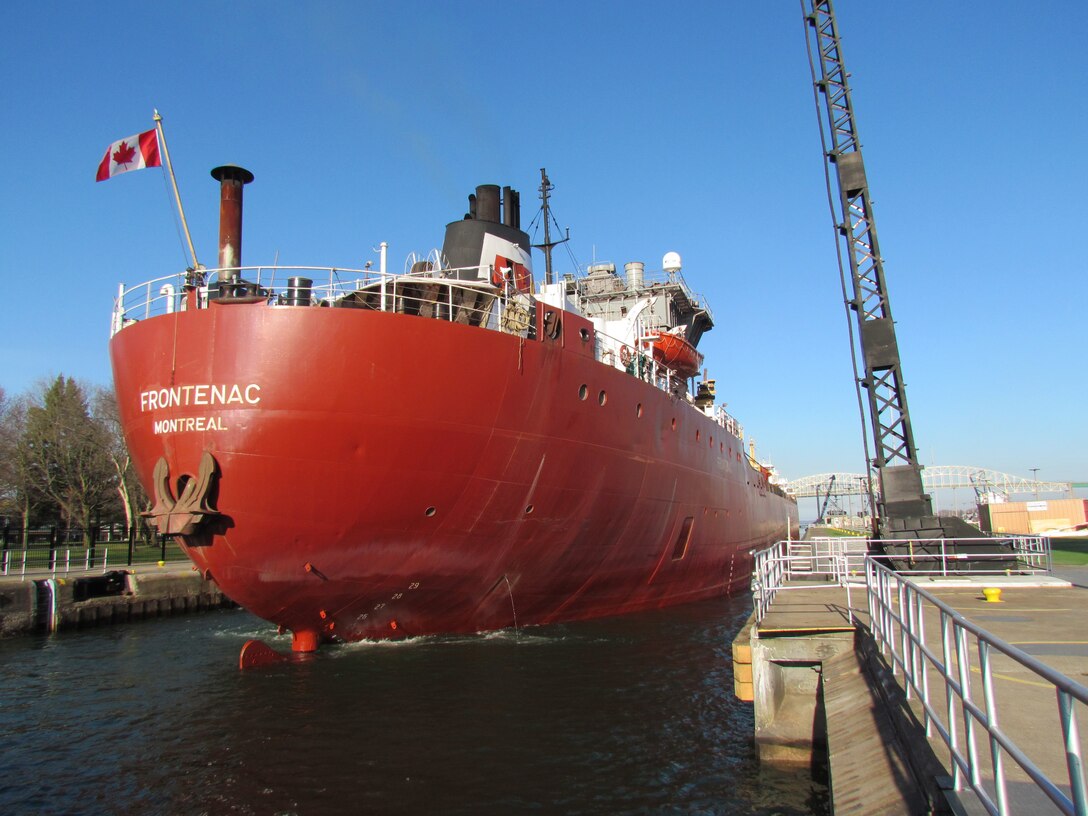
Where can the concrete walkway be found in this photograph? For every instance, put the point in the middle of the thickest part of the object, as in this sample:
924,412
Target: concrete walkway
1046,617
1049,625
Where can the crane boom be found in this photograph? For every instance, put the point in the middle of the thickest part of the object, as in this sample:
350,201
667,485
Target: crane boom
904,510
822,517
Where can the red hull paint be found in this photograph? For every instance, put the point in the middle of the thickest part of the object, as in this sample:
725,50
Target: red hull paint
384,475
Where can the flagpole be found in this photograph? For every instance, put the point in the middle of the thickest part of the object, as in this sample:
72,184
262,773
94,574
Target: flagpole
177,195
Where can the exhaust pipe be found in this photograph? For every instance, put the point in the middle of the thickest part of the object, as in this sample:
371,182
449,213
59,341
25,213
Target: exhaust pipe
487,203
231,179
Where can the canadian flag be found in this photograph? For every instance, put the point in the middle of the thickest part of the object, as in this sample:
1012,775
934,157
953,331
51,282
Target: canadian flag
134,153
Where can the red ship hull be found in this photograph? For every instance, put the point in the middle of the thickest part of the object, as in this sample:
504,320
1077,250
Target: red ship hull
383,475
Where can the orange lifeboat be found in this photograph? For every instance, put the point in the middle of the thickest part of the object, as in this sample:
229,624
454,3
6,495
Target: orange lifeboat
673,351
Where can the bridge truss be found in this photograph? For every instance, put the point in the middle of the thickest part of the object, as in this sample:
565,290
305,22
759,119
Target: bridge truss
934,477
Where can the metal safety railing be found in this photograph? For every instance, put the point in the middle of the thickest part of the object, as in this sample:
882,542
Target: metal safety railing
458,295
36,551
828,559
898,610
36,562
839,560
975,556
53,562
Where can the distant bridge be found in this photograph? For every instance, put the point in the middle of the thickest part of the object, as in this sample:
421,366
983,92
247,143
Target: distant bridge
934,477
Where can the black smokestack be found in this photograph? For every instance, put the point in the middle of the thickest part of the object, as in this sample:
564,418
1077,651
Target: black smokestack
487,203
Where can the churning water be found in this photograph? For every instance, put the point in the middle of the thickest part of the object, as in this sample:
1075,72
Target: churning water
624,715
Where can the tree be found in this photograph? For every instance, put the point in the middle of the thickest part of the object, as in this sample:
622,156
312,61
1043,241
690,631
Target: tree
17,497
62,455
129,490
11,428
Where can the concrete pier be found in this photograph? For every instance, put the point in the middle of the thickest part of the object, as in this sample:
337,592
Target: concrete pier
806,627
824,693
47,604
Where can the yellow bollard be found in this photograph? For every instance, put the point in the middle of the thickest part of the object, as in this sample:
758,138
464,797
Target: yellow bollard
162,563
992,595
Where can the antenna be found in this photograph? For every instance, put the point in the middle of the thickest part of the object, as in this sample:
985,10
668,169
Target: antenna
546,187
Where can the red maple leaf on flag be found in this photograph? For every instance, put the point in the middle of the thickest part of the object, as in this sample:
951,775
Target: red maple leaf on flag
124,153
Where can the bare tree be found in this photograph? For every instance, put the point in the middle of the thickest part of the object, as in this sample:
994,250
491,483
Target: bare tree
130,492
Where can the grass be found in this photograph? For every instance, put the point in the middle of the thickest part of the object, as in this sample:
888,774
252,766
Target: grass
832,532
1069,552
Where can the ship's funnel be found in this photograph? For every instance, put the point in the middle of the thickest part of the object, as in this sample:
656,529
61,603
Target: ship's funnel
487,203
488,243
231,178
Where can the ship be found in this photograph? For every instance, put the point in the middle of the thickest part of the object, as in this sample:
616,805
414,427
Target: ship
453,448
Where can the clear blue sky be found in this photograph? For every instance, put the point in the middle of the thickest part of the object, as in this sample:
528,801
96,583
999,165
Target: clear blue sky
686,127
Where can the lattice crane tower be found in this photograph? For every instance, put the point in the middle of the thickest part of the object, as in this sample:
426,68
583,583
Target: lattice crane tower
904,510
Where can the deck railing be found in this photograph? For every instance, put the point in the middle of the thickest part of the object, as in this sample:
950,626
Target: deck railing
330,287
898,609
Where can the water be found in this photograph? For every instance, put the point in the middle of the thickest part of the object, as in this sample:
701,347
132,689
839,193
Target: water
624,715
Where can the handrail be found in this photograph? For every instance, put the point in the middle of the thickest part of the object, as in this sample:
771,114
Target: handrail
1031,553
896,612
29,562
897,616
53,562
783,561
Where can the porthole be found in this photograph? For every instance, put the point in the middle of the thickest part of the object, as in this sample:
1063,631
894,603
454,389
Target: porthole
584,333
638,410
602,398
674,423
698,435
528,509
583,392
430,511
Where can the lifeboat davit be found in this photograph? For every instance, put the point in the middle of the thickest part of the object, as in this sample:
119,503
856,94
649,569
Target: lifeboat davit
673,351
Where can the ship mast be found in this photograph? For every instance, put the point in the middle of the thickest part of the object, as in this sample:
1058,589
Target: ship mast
546,187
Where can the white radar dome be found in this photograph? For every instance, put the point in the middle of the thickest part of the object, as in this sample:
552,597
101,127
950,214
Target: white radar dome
671,262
